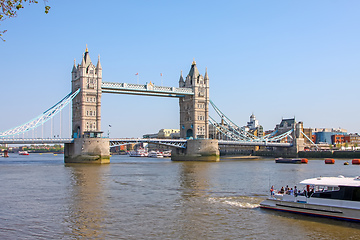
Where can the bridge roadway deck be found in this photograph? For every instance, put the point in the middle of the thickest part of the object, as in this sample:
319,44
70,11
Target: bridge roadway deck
178,143
255,143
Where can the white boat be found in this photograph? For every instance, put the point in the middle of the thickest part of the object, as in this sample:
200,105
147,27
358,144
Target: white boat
140,152
23,153
331,197
155,154
167,153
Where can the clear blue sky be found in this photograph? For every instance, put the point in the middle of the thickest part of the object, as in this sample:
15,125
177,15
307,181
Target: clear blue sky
276,59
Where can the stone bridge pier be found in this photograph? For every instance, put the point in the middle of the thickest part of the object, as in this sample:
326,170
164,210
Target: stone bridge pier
198,150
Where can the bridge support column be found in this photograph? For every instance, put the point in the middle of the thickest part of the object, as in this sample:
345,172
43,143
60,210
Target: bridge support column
198,150
87,150
291,151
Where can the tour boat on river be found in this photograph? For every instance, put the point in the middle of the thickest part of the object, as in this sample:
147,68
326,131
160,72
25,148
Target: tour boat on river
166,153
5,153
331,197
155,154
291,160
23,153
140,152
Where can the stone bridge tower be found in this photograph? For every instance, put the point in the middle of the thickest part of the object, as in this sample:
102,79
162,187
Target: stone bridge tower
194,110
88,145
194,120
86,105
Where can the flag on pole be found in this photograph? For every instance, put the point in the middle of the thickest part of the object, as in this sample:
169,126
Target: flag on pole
137,74
160,74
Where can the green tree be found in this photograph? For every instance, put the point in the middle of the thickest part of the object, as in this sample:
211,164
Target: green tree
10,8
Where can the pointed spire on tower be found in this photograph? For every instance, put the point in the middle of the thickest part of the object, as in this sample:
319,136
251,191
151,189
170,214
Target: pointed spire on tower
83,61
206,77
98,65
181,77
87,57
74,67
181,80
194,71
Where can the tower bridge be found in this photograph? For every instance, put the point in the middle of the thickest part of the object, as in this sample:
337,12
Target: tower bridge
87,144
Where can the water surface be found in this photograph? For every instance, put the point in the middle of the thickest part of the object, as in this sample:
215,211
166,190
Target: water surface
143,198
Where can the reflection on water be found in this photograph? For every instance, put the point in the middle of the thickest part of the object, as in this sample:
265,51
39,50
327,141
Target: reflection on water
141,198
194,179
86,211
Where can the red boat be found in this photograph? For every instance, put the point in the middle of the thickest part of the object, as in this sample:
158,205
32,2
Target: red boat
329,161
23,153
356,161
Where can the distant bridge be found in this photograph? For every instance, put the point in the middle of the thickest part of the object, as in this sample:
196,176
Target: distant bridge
177,143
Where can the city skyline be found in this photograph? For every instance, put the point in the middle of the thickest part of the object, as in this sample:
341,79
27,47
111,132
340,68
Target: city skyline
276,60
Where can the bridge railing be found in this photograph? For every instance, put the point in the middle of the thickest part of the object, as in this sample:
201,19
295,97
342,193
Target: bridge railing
145,88
36,140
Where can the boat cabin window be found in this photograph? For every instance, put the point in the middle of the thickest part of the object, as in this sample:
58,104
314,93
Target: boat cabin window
325,188
342,193
356,194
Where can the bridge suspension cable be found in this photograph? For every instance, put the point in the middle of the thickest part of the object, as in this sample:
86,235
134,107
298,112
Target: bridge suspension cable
235,133
41,119
310,140
233,126
226,132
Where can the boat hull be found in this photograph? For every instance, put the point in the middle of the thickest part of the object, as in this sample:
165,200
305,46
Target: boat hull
287,160
24,153
302,207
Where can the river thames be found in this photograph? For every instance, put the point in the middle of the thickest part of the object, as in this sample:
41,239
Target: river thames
143,198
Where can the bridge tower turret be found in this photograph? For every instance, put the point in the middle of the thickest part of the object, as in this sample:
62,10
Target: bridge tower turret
88,146
194,120
87,104
194,110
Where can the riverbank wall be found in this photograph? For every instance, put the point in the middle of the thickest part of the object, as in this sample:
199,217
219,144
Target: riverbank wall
329,154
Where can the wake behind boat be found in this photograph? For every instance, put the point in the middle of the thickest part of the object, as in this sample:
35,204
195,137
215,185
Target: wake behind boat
331,197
